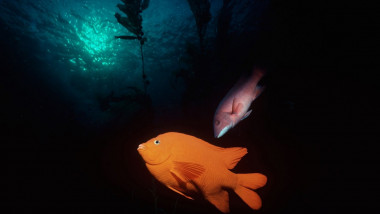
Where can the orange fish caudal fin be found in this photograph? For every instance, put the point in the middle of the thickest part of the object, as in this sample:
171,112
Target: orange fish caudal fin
246,184
251,198
252,180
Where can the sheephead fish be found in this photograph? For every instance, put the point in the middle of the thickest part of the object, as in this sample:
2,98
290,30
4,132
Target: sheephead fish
190,166
234,106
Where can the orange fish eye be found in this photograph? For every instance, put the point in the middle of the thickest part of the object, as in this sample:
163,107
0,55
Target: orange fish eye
156,142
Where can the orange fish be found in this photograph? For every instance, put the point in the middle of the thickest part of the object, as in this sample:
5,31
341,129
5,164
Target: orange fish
189,166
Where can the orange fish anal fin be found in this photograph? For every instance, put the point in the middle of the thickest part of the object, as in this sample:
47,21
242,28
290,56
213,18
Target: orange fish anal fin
233,155
220,201
187,171
181,193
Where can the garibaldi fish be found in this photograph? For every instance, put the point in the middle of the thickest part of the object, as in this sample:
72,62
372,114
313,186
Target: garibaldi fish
190,166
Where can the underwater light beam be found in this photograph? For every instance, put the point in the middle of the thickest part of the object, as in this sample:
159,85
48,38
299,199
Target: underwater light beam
96,37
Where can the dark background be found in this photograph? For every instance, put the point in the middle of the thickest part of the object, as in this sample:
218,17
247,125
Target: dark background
314,138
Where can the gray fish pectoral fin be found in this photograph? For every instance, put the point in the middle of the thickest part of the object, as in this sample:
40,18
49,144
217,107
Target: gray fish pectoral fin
236,107
246,114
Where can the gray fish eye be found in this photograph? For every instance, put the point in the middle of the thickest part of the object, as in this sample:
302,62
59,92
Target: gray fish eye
156,142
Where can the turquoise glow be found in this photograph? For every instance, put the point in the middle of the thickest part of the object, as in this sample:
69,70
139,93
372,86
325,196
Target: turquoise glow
98,41
93,37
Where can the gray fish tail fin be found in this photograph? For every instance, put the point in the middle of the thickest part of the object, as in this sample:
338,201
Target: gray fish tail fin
258,90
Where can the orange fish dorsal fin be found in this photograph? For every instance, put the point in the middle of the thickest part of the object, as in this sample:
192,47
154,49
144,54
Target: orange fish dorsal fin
187,171
233,155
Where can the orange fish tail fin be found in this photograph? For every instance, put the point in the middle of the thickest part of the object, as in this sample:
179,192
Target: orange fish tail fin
244,189
252,180
251,198
233,155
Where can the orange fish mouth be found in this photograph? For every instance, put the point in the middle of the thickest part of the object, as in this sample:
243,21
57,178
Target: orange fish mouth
141,147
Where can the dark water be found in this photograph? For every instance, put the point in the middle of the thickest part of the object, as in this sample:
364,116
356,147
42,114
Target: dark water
74,111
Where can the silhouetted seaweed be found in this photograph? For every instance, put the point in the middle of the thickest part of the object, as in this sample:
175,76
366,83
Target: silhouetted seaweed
133,20
133,23
201,11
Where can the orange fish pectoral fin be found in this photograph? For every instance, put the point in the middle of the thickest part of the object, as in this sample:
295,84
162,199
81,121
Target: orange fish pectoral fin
220,201
187,171
181,193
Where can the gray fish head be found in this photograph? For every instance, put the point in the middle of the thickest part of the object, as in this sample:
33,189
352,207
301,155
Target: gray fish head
222,123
